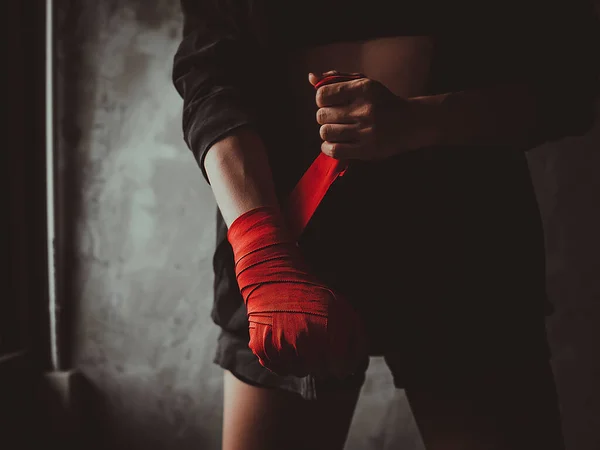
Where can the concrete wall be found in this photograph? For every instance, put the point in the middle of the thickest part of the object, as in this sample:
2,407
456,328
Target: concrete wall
139,223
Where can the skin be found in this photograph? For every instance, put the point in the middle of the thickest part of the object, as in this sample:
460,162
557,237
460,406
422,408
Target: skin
375,117
363,119
258,418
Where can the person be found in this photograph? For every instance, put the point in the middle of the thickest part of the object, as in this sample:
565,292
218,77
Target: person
429,251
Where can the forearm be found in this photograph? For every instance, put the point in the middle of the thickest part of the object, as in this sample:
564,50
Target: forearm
499,115
239,174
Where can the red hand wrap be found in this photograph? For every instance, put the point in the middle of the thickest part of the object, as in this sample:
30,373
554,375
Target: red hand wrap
314,184
297,325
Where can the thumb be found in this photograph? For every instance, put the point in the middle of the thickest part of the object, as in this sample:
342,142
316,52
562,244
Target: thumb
314,79
335,76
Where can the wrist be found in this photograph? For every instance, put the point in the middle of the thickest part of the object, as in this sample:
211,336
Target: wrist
257,228
428,115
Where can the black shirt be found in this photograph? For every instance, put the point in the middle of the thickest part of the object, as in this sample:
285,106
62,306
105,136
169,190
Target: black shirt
435,221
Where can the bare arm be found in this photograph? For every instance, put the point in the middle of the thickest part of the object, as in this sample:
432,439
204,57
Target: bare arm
239,173
215,72
516,93
502,115
536,84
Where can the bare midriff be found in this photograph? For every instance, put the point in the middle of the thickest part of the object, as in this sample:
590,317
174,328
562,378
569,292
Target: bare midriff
400,63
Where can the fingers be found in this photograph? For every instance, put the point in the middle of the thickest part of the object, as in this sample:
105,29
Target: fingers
259,336
337,94
344,141
346,131
316,78
327,347
336,114
341,150
340,133
275,352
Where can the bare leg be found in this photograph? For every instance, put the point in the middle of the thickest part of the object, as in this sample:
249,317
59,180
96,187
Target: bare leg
260,418
514,407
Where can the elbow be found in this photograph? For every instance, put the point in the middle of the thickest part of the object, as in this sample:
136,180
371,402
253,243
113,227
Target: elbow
561,118
573,123
583,123
210,119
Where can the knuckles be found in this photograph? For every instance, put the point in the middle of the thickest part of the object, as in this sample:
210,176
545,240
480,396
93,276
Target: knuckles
366,85
367,112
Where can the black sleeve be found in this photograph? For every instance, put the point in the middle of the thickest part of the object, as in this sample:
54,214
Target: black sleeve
562,65
216,69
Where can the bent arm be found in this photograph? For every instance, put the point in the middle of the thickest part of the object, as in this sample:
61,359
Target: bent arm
215,71
534,82
498,115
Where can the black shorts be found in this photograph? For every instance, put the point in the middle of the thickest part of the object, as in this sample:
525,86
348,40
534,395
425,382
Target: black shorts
453,354
443,258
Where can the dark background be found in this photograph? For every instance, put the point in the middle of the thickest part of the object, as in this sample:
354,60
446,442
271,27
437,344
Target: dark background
136,231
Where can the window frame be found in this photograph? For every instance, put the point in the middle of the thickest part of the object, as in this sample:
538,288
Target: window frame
24,310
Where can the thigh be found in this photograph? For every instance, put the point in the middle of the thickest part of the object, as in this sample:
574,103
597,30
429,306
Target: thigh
267,418
508,406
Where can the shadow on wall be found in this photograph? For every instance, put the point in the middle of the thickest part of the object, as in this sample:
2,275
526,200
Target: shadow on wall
84,419
99,428
77,24
136,232
134,263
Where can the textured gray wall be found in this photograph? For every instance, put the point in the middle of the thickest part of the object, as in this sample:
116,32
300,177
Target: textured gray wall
139,224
